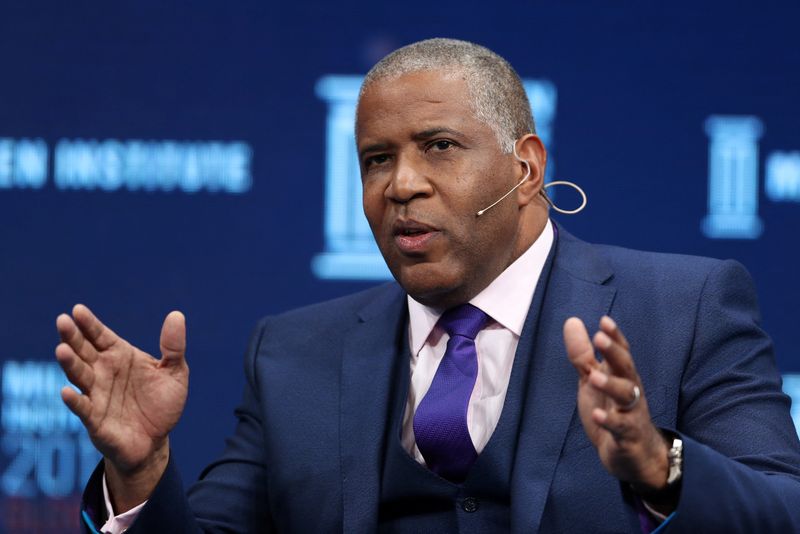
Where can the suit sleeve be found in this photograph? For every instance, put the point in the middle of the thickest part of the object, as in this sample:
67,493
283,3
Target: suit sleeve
741,468
231,493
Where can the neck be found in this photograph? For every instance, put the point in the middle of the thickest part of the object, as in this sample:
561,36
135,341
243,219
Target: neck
531,226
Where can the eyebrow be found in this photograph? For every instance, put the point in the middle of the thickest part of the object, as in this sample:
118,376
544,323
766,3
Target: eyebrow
375,147
419,136
432,132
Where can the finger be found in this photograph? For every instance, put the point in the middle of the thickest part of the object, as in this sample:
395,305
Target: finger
78,372
95,331
619,390
618,357
610,327
72,336
78,404
619,424
173,339
579,348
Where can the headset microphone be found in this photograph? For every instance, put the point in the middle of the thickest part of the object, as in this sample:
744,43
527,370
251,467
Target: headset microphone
542,192
527,175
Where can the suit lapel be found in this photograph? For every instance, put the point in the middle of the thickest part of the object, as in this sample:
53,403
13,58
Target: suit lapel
574,288
371,350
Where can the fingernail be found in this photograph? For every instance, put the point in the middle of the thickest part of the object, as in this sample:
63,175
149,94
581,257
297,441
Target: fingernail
600,415
603,341
610,322
598,378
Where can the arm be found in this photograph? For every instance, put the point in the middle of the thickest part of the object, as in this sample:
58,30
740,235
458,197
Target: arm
231,494
128,400
741,452
730,401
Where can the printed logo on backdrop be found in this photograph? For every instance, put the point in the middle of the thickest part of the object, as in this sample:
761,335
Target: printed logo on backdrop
791,386
733,192
132,165
47,456
350,250
733,171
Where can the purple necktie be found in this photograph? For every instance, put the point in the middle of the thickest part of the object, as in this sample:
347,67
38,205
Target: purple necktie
440,424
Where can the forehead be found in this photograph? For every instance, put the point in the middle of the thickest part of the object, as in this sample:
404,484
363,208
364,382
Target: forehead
416,101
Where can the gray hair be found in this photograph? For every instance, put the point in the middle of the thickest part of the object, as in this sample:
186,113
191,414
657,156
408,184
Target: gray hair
498,98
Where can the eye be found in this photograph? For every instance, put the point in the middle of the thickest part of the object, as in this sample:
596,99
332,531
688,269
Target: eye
377,159
440,145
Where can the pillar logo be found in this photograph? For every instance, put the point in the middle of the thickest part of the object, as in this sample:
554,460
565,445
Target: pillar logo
350,251
733,185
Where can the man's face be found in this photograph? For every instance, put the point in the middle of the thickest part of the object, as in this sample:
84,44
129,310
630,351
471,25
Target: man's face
427,166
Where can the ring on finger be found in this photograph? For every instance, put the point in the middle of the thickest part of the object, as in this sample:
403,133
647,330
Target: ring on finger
637,394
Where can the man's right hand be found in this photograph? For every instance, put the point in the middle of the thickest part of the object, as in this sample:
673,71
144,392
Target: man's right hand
130,401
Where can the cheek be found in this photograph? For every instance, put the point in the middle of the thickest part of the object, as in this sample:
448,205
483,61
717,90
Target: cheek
488,239
374,205
473,187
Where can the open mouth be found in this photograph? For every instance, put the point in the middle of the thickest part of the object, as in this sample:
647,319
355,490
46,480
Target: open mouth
410,227
409,231
413,237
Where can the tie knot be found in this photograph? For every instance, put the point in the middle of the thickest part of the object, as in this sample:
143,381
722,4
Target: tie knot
464,320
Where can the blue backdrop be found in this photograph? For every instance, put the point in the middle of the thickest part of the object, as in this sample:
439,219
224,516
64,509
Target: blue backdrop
194,157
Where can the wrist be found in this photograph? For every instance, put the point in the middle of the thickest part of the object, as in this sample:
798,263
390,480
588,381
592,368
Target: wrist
653,478
130,486
663,496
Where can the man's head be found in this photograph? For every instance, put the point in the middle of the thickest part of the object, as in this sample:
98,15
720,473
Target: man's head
436,125
495,90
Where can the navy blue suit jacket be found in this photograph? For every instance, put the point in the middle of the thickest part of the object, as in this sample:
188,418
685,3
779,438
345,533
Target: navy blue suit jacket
307,451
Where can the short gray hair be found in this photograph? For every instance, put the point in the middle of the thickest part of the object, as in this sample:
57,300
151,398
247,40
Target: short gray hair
498,98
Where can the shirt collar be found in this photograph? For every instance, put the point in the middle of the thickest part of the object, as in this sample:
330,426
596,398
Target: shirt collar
506,299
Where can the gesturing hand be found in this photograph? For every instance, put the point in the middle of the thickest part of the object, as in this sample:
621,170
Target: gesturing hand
613,408
130,401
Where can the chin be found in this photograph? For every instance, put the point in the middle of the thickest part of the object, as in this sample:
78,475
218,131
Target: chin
431,284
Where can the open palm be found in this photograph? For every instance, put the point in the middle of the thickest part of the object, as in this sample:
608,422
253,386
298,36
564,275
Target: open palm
129,401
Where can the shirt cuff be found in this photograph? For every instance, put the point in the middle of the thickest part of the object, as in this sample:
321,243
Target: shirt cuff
117,524
658,516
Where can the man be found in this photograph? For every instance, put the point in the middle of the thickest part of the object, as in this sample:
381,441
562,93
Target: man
448,403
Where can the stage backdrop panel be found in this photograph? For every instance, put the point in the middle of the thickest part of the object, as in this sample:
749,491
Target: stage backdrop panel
200,157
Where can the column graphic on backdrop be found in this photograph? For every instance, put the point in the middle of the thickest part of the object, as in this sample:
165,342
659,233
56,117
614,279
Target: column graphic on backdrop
733,177
733,184
350,250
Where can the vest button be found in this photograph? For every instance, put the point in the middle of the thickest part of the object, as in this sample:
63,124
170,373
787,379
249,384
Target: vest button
469,505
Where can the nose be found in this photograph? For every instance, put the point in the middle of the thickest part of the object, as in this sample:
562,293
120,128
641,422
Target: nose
409,181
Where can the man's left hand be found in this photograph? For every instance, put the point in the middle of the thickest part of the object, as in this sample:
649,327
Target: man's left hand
613,407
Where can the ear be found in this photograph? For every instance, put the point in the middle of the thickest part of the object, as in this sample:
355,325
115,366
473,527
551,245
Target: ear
530,148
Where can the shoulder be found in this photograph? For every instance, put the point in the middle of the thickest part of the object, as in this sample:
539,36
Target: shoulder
317,332
658,266
339,313
656,270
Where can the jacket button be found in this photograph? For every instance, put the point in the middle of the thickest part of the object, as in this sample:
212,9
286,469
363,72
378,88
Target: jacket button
469,505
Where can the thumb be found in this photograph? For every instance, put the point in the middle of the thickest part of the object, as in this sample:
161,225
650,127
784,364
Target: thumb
173,339
579,348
